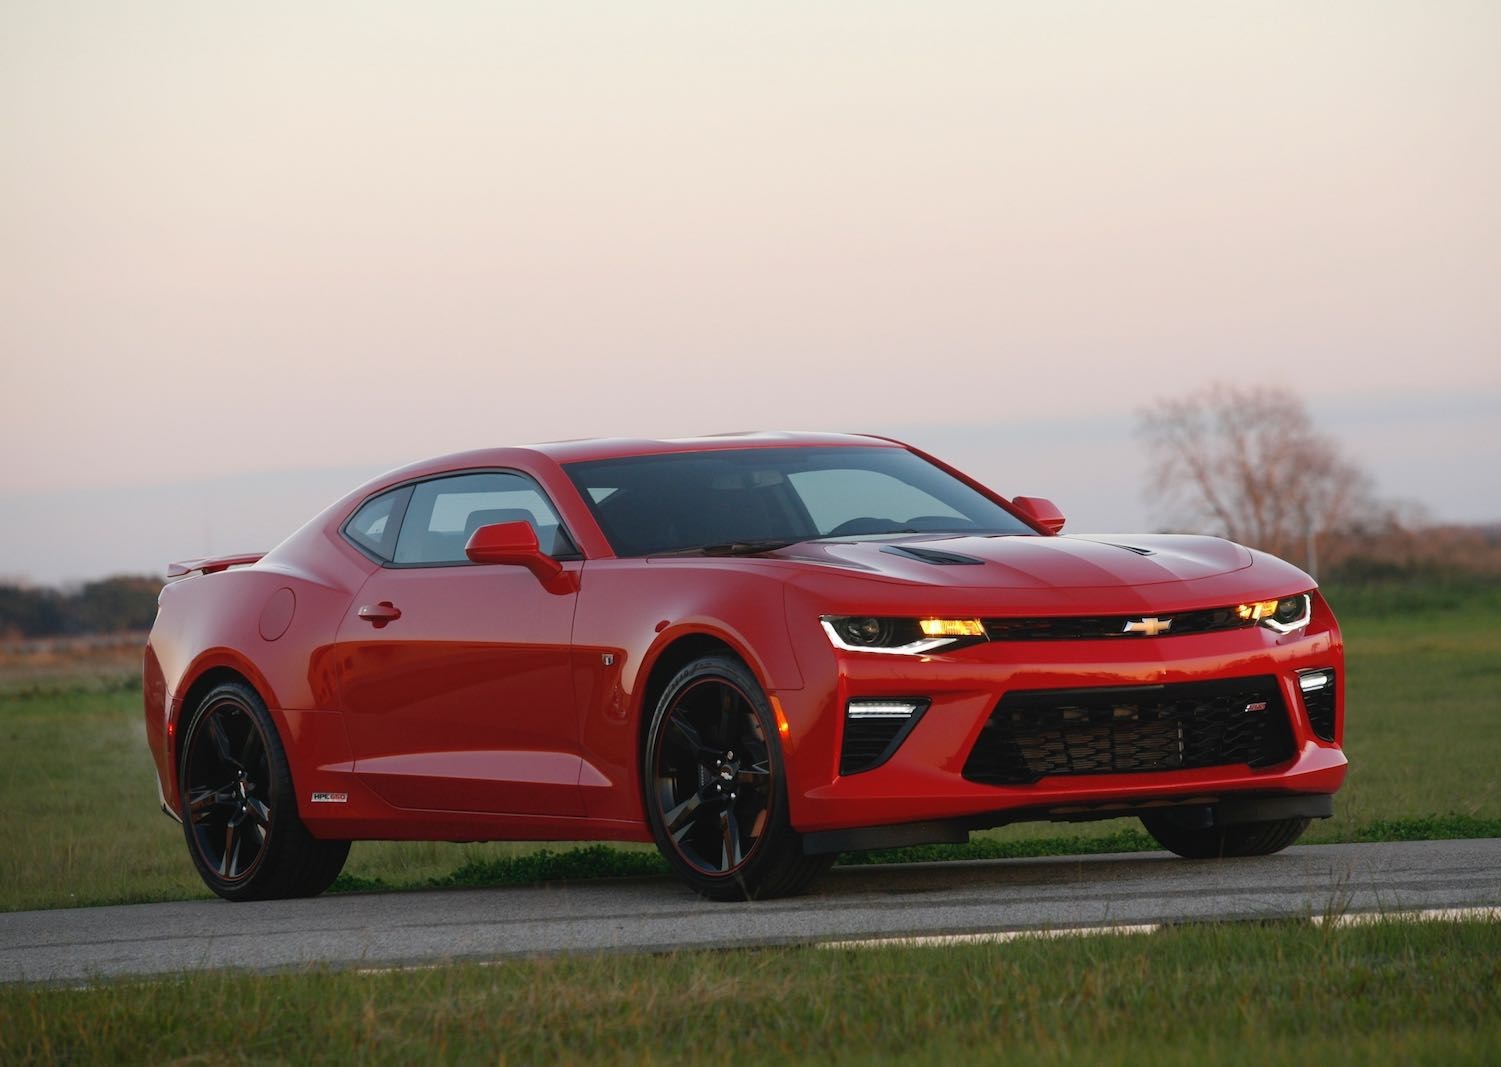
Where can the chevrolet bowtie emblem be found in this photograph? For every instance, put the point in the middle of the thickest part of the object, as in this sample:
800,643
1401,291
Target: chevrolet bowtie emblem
1151,627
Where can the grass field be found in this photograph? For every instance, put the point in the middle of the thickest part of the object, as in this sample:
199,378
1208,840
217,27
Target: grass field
1385,993
81,823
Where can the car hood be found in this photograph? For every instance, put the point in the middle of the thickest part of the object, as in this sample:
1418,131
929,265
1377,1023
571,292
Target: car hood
1030,562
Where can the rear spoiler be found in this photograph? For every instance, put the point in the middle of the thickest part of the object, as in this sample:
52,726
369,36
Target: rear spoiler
211,564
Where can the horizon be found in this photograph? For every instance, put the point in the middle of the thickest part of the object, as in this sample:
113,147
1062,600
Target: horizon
1096,473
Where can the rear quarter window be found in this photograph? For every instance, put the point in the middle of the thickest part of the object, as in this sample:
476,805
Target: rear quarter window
375,526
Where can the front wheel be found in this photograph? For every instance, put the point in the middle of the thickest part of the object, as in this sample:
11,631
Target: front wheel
238,810
1216,842
716,792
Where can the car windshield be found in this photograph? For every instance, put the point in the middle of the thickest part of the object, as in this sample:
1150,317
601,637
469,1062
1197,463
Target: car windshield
750,500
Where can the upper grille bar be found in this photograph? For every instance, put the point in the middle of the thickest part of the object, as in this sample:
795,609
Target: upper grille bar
1093,627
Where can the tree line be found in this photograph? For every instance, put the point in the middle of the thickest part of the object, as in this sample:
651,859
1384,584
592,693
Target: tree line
112,605
1250,464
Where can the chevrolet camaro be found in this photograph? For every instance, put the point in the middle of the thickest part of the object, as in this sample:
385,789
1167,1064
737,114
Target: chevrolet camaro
756,651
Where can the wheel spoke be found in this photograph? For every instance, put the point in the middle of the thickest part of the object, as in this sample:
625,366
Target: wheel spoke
729,831
694,740
680,819
220,739
260,814
757,774
230,846
258,836
250,749
202,802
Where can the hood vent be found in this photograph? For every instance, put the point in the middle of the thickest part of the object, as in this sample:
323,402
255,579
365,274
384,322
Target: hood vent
933,555
1130,548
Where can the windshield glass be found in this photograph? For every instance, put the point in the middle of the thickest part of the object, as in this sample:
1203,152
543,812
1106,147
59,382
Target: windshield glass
680,501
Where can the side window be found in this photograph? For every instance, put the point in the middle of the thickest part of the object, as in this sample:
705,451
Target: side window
836,497
373,527
443,513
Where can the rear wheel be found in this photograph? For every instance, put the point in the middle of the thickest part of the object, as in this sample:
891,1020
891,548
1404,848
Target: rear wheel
239,812
716,793
1215,842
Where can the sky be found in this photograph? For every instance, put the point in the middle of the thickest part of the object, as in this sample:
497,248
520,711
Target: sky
251,255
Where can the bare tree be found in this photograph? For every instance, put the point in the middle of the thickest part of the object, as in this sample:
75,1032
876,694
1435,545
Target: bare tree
1248,463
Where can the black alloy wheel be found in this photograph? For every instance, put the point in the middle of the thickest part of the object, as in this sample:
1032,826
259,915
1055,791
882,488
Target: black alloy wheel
715,792
238,810
713,776
226,776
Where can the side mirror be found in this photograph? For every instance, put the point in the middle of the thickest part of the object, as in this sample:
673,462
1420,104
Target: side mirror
513,544
1040,510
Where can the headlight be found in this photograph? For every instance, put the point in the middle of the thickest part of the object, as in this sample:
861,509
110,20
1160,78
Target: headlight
1284,616
908,637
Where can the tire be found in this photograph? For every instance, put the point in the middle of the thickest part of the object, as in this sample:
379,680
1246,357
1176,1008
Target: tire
1223,842
713,774
238,806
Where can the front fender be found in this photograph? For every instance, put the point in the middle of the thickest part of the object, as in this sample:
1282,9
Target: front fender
630,613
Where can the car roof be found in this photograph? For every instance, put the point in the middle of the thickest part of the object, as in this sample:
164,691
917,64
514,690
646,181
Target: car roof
594,448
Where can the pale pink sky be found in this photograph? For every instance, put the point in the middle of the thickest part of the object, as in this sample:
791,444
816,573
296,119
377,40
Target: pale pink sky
266,237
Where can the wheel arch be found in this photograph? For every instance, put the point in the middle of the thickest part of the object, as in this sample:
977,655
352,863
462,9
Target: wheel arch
674,650
671,656
209,670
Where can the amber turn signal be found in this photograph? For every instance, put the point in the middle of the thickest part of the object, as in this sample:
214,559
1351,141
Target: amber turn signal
952,627
1261,609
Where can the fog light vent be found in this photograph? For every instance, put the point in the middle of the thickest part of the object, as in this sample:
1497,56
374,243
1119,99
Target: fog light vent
1318,700
874,729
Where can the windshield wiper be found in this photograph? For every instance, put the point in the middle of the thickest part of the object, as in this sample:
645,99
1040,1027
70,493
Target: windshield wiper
736,548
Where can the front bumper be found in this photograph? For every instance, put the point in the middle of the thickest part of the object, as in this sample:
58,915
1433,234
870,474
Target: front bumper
923,782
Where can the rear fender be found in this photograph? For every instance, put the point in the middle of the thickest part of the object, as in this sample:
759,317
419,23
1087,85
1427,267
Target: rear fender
176,707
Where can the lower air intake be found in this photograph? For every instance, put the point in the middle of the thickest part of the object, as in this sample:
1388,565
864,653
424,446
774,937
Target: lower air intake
1130,730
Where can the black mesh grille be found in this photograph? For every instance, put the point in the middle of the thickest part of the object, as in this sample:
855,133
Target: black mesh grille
1032,735
1320,707
1090,627
868,743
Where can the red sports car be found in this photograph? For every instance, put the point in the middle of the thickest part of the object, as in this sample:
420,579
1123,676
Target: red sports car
755,650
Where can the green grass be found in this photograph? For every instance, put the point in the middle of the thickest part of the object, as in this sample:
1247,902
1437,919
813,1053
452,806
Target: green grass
1263,994
1424,739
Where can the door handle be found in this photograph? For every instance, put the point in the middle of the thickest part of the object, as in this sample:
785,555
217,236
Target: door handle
378,615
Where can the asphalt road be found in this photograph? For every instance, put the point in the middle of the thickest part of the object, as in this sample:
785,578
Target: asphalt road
392,929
